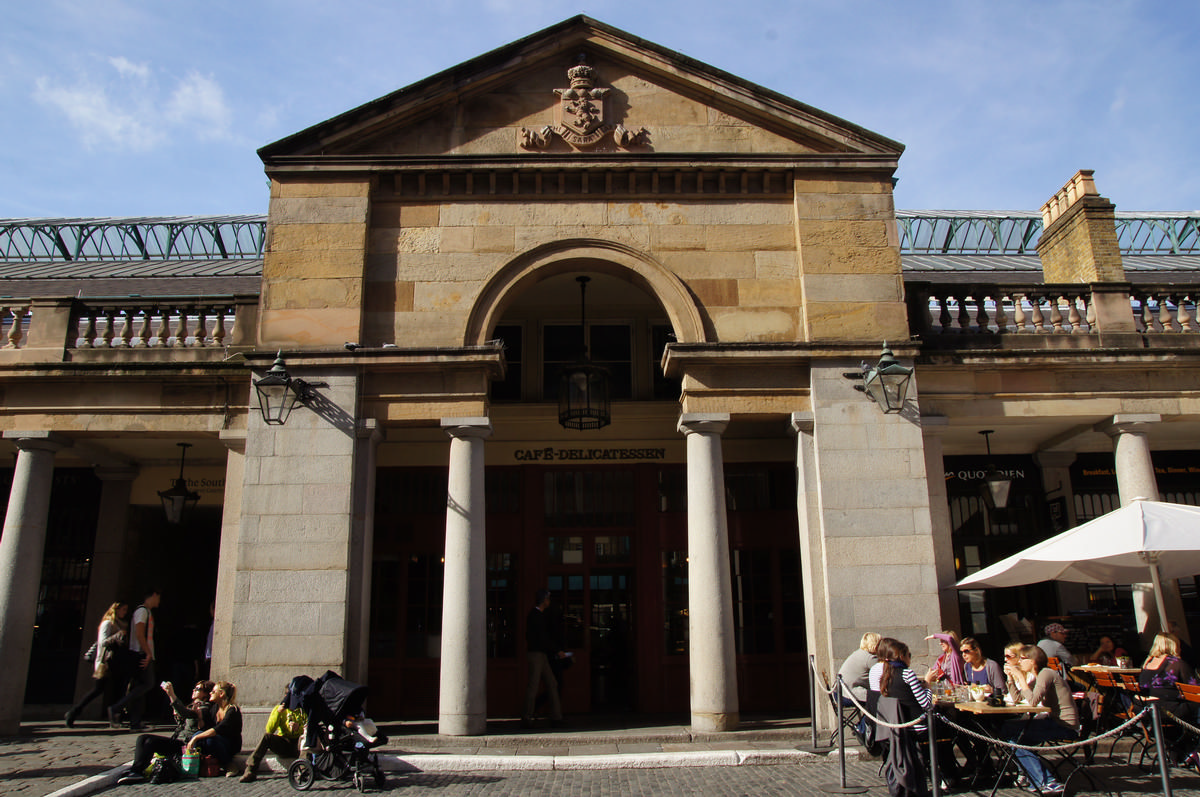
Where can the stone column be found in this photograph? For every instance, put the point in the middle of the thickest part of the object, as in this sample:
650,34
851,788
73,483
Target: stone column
462,701
362,551
1135,480
22,545
227,564
106,559
711,651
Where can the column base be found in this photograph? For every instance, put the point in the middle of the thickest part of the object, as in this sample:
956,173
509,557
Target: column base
462,725
713,723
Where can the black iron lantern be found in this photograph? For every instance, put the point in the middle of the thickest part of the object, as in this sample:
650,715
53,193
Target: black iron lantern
887,381
276,393
996,486
178,500
583,389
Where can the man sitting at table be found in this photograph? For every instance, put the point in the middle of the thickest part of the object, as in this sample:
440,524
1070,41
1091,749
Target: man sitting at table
1047,689
1053,644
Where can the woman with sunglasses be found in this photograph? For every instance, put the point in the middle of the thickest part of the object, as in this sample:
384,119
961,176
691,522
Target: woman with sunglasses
190,719
1050,690
224,739
981,670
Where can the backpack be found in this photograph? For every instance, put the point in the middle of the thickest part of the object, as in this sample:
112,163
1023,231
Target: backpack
165,770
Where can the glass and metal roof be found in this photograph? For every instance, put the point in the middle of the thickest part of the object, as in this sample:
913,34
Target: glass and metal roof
170,238
997,232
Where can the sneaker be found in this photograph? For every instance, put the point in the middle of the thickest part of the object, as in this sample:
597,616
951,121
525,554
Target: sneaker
131,777
69,718
248,776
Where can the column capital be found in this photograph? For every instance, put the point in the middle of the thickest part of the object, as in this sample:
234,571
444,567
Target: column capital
1136,423
234,440
368,429
703,422
477,426
39,440
802,421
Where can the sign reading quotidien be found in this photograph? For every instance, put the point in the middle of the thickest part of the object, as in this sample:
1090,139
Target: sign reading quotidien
553,454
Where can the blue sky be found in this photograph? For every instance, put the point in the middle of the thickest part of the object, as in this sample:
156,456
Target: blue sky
132,107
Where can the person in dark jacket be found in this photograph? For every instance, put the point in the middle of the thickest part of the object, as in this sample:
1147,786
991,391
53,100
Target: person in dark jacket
541,649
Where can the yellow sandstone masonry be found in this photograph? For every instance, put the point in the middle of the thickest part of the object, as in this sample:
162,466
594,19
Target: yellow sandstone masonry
769,292
335,186
318,264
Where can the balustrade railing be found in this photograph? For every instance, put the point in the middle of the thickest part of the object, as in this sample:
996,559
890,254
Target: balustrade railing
152,323
978,309
1165,309
170,324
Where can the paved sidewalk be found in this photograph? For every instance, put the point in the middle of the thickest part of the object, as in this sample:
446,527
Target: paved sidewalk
762,759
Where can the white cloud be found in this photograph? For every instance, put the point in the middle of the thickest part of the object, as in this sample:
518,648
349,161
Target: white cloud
133,112
127,68
199,102
97,117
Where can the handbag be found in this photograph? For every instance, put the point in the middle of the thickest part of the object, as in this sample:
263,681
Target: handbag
210,767
191,764
90,655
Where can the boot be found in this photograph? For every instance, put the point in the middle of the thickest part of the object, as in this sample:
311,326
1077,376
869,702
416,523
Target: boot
249,775
69,718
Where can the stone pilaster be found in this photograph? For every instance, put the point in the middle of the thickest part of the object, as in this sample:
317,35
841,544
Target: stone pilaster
462,701
22,546
711,652
873,507
227,566
291,589
941,524
362,550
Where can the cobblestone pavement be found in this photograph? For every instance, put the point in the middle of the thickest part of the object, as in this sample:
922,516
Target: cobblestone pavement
49,758
751,781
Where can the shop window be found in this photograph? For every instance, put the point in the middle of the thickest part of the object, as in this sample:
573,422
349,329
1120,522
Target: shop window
612,550
502,490
609,345
753,609
565,550
513,338
675,602
566,609
423,618
502,605
672,489
589,498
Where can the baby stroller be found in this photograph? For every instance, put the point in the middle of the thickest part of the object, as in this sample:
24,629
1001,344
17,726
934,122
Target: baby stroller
339,737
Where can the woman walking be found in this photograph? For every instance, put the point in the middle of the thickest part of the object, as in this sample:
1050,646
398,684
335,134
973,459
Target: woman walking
108,664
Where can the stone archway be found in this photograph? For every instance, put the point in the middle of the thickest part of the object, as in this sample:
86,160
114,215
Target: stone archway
562,257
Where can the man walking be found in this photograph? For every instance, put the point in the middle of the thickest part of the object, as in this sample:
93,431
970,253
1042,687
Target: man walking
141,643
541,647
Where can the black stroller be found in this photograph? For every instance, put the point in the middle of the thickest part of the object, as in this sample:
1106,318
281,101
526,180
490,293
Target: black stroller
338,736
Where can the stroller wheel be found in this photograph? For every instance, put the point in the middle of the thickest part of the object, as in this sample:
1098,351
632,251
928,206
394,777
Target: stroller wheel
301,774
360,781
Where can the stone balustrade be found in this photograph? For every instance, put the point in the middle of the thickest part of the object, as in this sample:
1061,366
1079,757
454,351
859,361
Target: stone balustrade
167,323
1042,309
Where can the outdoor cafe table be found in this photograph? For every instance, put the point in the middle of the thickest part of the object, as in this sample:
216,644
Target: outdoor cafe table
995,714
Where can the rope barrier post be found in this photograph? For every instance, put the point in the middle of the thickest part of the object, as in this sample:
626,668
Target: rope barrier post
843,787
934,777
1164,767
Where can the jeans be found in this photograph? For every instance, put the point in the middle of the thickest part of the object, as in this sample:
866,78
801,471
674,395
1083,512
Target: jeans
1031,732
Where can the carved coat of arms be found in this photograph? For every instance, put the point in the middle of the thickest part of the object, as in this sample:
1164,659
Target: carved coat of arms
581,117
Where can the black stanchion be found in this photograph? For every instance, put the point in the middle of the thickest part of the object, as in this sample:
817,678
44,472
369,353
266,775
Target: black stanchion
843,787
934,777
1164,766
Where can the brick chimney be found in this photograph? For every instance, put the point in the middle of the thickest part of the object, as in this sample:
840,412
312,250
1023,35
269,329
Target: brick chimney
1079,235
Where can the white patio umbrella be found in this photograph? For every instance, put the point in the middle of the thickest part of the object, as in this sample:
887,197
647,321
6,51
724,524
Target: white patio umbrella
1145,538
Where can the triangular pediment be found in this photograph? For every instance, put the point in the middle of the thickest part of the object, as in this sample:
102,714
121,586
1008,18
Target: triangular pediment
647,99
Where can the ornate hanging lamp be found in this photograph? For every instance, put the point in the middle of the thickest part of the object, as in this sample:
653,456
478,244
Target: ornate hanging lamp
996,486
583,389
179,499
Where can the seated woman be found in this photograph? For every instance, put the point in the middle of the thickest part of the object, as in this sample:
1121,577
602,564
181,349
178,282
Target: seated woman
980,670
894,678
224,739
1015,678
1163,669
949,665
190,719
284,726
1046,689
1107,653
